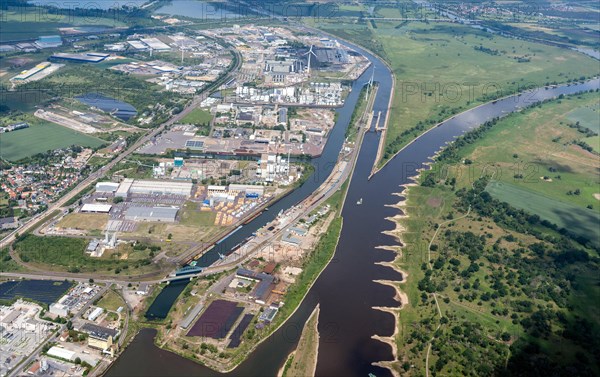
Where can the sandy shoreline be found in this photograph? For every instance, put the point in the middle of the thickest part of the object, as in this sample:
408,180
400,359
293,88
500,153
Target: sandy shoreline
400,295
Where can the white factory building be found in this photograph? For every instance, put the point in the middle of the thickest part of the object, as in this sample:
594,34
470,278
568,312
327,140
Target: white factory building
95,314
106,187
61,353
247,189
131,186
96,208
59,309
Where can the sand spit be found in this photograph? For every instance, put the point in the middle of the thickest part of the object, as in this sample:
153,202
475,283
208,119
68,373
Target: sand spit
400,296
394,267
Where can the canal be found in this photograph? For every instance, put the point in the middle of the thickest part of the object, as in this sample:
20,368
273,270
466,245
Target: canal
346,289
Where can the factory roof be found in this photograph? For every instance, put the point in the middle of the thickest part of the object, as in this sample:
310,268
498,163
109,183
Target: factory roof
152,212
263,288
89,207
89,57
93,245
269,314
138,45
8,220
162,184
216,188
124,186
99,332
187,321
155,44
10,317
107,186
61,353
298,231
289,238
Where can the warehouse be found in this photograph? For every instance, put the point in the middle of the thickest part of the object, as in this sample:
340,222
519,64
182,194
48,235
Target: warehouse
187,321
247,189
95,314
27,74
162,214
99,337
124,187
90,57
106,187
61,353
155,44
161,188
96,208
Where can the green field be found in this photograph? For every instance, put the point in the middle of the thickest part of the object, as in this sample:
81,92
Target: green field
200,118
41,137
580,221
588,116
594,142
525,147
442,69
24,23
68,254
111,301
192,216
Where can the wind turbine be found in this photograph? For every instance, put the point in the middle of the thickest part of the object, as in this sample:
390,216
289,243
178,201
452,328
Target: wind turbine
309,53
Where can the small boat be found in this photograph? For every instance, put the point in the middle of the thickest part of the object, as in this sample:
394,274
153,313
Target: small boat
359,202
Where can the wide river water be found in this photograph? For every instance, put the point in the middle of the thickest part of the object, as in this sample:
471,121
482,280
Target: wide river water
345,290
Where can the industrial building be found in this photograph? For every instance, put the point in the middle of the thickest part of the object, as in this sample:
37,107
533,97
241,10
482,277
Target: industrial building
162,188
95,314
162,214
89,57
30,72
96,208
9,223
99,337
130,186
247,189
61,353
263,288
124,187
107,187
14,127
49,41
155,44
59,309
269,314
189,319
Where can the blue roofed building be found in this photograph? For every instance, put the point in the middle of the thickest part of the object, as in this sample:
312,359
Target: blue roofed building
49,41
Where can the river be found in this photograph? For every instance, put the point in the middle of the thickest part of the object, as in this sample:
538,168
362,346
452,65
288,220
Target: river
345,290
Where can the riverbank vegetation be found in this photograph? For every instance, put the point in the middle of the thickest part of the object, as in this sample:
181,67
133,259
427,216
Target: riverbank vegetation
303,361
494,289
442,69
